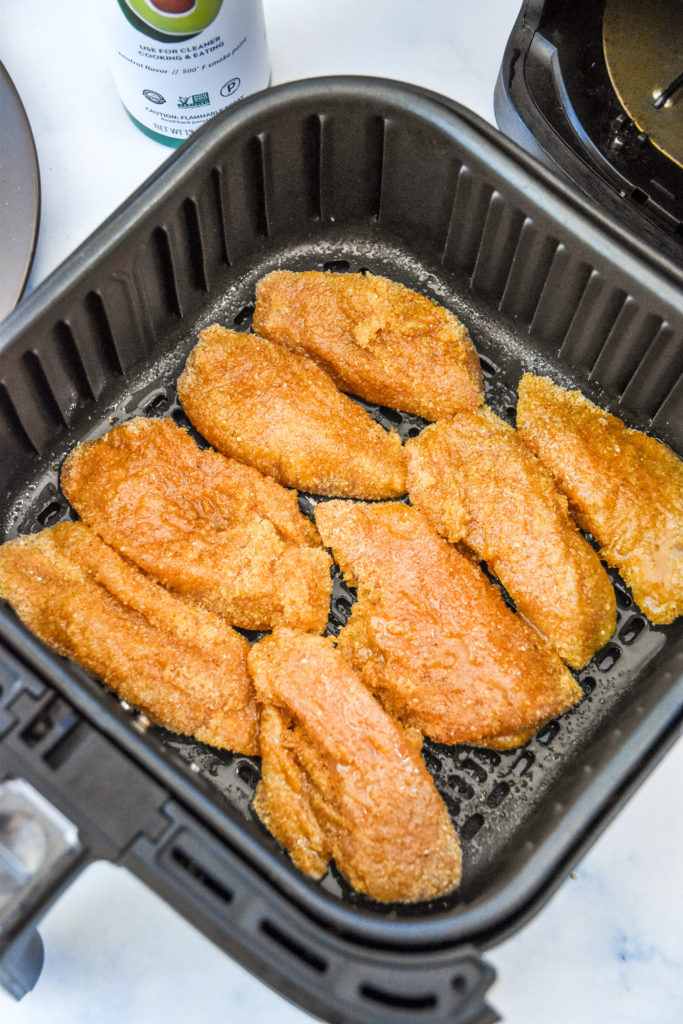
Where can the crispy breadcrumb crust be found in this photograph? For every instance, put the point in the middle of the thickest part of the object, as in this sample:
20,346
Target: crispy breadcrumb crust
207,527
277,410
376,338
624,488
477,482
180,664
341,780
433,638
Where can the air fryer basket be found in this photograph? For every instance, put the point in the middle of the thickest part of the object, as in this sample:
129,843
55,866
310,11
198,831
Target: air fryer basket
343,174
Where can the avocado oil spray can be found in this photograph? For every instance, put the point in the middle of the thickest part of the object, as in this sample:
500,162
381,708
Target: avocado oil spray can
176,63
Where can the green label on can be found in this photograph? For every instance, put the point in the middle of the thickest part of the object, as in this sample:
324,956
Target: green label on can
170,19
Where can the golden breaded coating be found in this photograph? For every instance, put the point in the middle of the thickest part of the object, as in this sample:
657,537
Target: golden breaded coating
433,638
477,482
278,411
205,526
340,778
180,664
624,487
376,339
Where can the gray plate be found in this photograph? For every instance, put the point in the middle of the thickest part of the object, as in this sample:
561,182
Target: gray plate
19,195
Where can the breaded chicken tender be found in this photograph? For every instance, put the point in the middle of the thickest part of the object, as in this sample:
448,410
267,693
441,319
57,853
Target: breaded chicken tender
433,638
623,487
376,339
341,780
278,411
477,482
205,526
177,662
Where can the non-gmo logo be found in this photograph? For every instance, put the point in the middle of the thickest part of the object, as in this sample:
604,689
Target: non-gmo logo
152,96
230,87
199,99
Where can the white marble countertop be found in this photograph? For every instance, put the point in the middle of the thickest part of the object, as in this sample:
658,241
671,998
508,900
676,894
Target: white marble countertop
607,948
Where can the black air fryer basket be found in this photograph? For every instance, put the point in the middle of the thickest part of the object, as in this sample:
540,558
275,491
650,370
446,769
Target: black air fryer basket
343,174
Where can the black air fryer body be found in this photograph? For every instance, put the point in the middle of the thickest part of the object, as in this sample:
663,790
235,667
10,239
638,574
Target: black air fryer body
556,98
343,174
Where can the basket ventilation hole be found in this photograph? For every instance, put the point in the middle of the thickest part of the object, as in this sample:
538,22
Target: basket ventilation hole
491,757
587,684
338,266
488,368
307,504
471,766
632,629
50,514
156,405
248,772
498,794
427,1001
452,804
523,763
608,658
548,733
342,606
391,415
623,599
180,418
463,788
294,946
470,827
200,874
244,316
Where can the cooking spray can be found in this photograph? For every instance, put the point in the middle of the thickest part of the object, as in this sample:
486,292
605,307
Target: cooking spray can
176,63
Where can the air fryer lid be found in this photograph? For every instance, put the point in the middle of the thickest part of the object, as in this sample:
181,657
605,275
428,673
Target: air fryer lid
595,89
